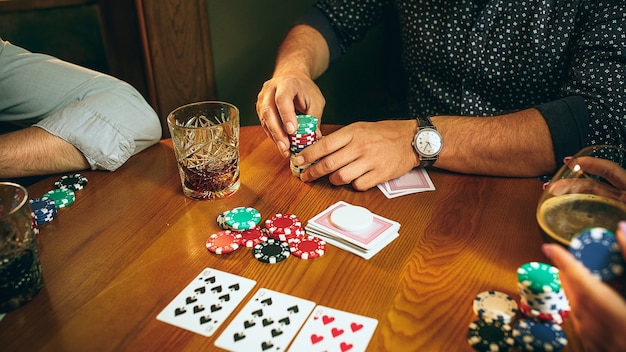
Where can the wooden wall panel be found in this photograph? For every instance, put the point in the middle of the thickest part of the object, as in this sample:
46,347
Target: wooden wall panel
177,47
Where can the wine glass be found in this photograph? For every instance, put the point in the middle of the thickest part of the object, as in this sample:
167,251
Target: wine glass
589,190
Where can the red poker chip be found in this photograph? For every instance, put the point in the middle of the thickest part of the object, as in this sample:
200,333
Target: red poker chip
252,237
285,238
287,224
223,242
307,247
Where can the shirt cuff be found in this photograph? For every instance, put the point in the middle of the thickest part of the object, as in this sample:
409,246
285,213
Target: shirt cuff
315,18
568,121
103,145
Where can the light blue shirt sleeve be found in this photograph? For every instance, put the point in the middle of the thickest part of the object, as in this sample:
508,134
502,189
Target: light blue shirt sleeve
105,118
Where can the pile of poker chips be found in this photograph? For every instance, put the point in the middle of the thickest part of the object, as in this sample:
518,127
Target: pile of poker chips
63,194
541,295
280,236
304,137
543,304
537,329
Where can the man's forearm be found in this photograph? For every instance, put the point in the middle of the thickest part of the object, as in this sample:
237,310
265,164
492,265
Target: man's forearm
516,144
303,50
33,151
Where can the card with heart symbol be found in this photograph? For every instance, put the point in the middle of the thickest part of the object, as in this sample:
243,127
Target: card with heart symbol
329,329
269,321
207,301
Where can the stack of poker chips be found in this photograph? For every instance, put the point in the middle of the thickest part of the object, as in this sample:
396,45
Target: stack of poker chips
541,295
280,236
305,136
45,208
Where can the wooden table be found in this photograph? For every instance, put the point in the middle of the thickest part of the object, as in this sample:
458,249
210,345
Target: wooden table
132,241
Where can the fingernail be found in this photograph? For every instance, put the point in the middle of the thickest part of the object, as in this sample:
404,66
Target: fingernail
282,148
299,160
290,128
547,250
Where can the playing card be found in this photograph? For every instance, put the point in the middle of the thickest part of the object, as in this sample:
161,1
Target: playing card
363,253
329,329
207,301
416,180
378,231
269,321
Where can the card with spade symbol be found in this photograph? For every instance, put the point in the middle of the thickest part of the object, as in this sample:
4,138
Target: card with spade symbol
207,301
268,322
330,330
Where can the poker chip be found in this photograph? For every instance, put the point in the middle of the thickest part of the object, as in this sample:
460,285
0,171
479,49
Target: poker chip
252,237
495,305
61,197
556,317
351,218
307,247
221,221
242,218
490,335
223,242
539,277
533,335
74,182
287,224
598,250
44,210
271,251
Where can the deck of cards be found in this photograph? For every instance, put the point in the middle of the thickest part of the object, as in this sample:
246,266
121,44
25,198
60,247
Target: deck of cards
414,181
354,229
269,321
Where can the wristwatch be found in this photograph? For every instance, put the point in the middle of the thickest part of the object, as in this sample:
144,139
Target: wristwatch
427,142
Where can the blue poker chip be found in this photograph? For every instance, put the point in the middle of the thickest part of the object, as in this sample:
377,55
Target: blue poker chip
44,210
490,335
532,335
598,250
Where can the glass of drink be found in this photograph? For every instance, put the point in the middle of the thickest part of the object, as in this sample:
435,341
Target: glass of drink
205,136
20,270
588,191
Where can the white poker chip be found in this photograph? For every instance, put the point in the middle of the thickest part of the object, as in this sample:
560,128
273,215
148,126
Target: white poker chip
495,305
351,218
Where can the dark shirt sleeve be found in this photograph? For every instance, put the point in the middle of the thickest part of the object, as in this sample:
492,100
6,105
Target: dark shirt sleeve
568,121
592,110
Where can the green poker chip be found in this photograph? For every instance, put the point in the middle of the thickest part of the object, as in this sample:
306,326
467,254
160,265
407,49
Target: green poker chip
539,277
241,218
60,197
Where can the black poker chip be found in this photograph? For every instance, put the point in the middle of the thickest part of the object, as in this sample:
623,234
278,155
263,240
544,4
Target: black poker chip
271,251
490,335
74,182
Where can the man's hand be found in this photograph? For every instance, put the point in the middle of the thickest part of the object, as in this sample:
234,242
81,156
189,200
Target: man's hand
598,312
363,154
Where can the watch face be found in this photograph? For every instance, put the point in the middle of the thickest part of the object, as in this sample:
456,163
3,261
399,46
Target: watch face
428,142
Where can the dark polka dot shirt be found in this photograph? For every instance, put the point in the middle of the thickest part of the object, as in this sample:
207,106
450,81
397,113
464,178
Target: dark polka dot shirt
484,58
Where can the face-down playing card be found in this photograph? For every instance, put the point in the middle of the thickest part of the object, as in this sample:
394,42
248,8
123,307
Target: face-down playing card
268,322
207,301
329,329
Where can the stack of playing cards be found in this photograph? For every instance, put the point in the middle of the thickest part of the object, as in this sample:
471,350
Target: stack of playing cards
416,180
268,322
354,229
